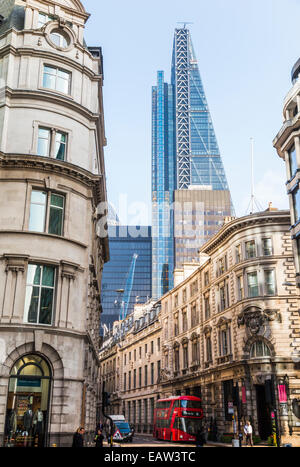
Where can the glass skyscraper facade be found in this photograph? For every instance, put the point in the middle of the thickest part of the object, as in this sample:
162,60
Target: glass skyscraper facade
185,156
127,276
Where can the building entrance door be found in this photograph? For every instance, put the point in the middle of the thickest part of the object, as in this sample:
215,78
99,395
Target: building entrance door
263,413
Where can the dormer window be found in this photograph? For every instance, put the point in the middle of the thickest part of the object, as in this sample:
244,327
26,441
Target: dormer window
60,39
43,19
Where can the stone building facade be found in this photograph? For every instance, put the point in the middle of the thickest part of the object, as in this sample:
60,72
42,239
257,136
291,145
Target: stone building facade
227,332
230,329
131,366
52,178
287,144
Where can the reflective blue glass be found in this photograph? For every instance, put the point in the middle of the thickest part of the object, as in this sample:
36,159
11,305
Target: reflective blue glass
123,245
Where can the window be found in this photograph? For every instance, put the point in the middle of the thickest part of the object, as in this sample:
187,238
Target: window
208,349
185,356
270,282
184,295
146,349
224,341
176,327
146,375
134,353
46,212
250,249
238,253
240,285
176,301
194,315
52,143
40,294
60,39
296,204
158,371
222,298
124,381
252,284
195,350
259,349
57,79
176,359
152,373
293,161
140,352
158,344
267,247
206,307
129,380
43,19
134,379
152,347
206,278
125,359
184,320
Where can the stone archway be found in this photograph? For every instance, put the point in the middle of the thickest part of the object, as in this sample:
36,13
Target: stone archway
28,387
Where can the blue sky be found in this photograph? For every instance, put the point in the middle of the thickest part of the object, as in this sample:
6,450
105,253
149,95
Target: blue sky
245,51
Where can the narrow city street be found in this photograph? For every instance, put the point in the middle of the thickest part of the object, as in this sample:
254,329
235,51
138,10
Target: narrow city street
144,440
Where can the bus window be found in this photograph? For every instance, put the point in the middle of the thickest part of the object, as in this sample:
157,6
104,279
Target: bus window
188,425
190,404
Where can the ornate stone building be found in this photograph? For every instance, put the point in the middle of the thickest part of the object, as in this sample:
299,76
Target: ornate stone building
287,144
230,329
52,178
131,366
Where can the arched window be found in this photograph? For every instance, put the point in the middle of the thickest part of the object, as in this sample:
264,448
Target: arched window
259,349
28,401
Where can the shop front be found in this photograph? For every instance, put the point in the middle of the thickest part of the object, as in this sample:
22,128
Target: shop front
28,403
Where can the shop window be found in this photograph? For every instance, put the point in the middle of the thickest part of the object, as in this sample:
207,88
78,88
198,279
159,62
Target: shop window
28,403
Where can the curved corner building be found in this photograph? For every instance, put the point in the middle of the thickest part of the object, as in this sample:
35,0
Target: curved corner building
52,178
190,194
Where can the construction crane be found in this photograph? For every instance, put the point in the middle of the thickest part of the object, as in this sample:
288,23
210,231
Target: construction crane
128,288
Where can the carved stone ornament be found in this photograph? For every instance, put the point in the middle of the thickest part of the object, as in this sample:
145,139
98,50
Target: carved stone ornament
254,318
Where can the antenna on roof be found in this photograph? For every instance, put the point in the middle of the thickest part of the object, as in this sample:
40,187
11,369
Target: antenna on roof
184,23
253,200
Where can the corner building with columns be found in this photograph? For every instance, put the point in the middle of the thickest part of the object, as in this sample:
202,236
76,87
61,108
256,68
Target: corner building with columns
52,178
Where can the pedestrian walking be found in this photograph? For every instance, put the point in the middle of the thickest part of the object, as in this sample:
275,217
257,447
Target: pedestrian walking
78,438
200,438
99,439
248,433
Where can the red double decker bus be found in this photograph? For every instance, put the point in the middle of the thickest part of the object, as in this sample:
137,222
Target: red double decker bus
177,418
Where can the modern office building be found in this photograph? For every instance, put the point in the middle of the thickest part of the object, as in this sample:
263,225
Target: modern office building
127,276
287,144
185,156
52,178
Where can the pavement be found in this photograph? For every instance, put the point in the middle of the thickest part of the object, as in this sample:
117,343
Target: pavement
147,440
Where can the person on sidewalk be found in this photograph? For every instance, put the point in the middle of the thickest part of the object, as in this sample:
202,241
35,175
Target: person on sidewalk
200,438
99,439
78,438
248,433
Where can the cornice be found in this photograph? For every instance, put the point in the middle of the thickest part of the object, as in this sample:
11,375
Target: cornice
46,164
243,223
9,49
52,97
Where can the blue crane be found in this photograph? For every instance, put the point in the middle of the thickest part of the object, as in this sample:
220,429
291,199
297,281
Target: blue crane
128,288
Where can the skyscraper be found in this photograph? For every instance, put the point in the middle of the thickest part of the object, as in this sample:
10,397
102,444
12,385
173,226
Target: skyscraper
126,278
185,156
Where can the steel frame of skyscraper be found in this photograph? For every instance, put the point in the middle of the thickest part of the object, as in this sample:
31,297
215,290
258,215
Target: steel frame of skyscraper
185,154
181,64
